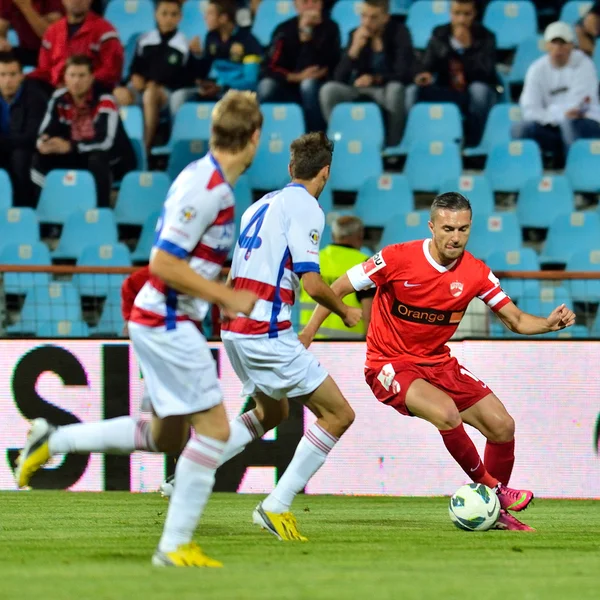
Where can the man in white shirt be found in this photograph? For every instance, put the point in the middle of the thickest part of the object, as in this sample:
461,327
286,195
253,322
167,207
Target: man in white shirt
559,102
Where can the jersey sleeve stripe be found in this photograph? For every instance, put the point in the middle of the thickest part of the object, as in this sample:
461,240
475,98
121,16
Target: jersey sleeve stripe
151,319
171,248
247,326
210,254
486,294
224,216
496,298
358,278
264,291
306,267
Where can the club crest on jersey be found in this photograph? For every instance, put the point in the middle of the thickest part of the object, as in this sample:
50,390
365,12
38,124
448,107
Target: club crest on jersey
314,236
187,214
456,288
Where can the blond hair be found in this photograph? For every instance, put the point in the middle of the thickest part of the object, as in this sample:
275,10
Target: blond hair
235,118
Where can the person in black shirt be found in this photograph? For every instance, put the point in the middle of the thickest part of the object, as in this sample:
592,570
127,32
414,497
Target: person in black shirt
588,29
304,51
22,108
159,66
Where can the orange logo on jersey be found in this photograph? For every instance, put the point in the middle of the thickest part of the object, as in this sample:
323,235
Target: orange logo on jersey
456,288
428,316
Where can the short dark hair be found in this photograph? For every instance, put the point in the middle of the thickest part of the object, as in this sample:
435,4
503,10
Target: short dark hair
7,58
226,7
309,154
383,4
450,201
80,60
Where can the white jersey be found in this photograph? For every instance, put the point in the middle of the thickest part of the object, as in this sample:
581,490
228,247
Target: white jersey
279,241
197,225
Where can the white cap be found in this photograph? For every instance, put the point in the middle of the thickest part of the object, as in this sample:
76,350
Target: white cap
560,31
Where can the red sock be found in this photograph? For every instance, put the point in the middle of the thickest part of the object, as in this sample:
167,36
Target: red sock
463,451
499,459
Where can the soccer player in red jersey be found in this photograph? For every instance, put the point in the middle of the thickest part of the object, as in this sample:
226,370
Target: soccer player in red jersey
423,290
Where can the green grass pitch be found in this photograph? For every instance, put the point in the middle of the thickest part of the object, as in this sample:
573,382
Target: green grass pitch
75,546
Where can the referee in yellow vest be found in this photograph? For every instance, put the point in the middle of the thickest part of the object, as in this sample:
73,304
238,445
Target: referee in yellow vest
336,259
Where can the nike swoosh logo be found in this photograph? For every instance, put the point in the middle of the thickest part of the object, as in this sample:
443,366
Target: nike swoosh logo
406,284
490,513
477,467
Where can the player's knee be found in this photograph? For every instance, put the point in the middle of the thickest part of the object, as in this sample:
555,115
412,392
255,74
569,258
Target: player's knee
448,418
504,431
341,420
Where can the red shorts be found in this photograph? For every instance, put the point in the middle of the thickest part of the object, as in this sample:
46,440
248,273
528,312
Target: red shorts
391,382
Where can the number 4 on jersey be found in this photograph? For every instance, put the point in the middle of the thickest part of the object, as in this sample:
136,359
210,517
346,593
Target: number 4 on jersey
251,241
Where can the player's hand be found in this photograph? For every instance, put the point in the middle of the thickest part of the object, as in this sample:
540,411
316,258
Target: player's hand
195,46
227,315
560,318
352,317
364,80
423,79
241,301
305,338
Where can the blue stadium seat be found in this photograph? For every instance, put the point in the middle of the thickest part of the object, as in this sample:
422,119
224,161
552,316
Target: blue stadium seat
596,57
346,13
574,10
243,201
357,120
353,163
13,38
400,7
510,165
428,122
542,200
500,232
184,152
512,22
405,228
62,329
18,226
129,48
527,52
283,123
586,290
497,128
141,254
547,300
101,255
192,19
86,228
423,16
130,17
6,191
268,16
111,320
25,254
383,198
582,166
516,260
477,189
326,199
133,122
141,194
569,234
64,193
595,331
431,163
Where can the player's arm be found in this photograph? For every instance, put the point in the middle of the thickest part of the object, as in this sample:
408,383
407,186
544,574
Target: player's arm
327,299
521,322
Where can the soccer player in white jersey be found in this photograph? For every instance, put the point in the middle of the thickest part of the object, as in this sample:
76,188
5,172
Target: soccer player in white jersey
194,235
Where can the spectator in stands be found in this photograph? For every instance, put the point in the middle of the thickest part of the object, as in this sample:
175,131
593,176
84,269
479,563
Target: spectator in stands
80,32
588,29
459,66
375,66
82,130
22,108
159,66
304,51
230,58
29,19
559,103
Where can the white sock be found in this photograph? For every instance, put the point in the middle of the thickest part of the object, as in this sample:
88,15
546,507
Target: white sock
244,429
122,435
310,455
195,476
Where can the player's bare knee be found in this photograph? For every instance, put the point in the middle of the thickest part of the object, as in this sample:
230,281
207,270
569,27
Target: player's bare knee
340,421
447,418
504,430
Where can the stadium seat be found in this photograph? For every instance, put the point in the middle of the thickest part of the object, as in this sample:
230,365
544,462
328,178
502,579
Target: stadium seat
353,163
192,19
500,232
527,52
133,121
6,191
595,331
510,165
516,260
102,255
37,254
400,7
423,16
243,201
582,166
111,320
283,123
547,300
574,10
130,17
428,122
477,189
357,120
18,226
270,14
412,226
497,128
542,200
512,22
383,198
141,194
86,228
346,13
568,234
431,163
596,57
326,199
585,290
62,329
12,37
64,193
184,152
141,254
129,48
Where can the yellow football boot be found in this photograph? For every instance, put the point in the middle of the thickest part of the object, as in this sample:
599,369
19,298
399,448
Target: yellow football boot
187,555
36,452
283,526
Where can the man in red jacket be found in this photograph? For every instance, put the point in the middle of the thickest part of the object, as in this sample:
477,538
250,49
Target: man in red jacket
80,32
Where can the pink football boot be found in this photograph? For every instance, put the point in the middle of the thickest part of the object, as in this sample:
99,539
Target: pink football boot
508,522
515,500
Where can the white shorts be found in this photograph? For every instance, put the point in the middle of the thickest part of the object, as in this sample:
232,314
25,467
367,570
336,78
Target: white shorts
279,367
179,371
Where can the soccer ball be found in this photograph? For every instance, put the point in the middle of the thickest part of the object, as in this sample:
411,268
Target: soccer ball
474,507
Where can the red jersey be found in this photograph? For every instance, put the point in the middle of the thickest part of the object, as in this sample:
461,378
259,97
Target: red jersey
419,303
130,289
